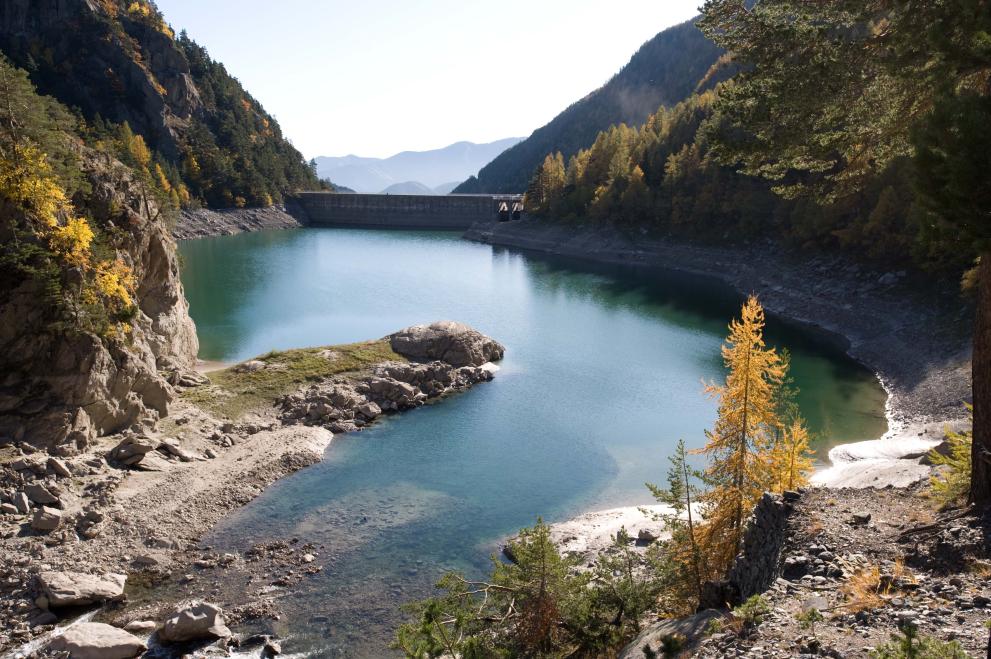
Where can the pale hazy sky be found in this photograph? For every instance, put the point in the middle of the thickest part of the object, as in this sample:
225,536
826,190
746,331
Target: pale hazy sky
381,76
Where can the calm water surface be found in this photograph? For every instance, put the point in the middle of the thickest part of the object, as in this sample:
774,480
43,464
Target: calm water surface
603,373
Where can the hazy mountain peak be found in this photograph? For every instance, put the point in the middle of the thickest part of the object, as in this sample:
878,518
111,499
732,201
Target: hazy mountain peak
432,169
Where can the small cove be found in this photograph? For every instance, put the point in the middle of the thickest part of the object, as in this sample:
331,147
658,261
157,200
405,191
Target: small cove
603,374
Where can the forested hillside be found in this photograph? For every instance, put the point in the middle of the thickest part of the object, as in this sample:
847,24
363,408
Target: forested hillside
663,178
118,64
666,70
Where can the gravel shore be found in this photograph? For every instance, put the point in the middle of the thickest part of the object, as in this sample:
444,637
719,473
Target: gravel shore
204,222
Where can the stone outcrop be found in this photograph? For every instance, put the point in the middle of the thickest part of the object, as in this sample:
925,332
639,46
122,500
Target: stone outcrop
59,390
197,621
95,640
759,562
447,341
78,589
342,405
651,640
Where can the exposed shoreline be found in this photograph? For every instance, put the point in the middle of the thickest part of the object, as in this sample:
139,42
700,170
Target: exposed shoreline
146,519
913,335
204,222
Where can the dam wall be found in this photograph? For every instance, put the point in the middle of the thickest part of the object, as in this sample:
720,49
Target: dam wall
402,211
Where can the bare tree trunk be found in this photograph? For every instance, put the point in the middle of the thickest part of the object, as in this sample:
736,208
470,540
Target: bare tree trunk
980,484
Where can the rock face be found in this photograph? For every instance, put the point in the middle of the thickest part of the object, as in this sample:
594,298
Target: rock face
161,97
58,391
650,642
446,341
343,406
95,640
197,621
78,589
758,563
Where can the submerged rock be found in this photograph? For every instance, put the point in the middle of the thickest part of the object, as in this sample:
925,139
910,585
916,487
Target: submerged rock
454,343
95,640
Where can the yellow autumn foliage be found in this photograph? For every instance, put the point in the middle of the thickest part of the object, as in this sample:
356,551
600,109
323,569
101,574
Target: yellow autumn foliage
740,445
139,8
163,181
139,150
791,457
27,180
115,282
71,242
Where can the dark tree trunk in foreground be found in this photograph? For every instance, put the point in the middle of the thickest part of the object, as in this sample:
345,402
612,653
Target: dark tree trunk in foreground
980,487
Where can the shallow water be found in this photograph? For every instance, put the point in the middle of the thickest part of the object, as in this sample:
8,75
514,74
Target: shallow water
603,374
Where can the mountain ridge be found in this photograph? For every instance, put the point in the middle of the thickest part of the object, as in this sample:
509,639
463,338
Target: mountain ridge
664,71
431,168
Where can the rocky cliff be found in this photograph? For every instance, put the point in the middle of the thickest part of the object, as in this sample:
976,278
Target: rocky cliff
62,387
121,65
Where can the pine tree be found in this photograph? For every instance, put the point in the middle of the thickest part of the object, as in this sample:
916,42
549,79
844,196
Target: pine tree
685,562
742,441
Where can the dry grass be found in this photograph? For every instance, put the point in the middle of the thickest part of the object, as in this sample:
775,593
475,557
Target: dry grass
868,589
233,392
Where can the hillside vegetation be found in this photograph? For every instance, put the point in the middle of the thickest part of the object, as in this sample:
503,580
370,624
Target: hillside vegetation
666,70
119,65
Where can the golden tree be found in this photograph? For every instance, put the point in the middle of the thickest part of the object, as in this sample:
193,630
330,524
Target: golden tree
791,457
741,444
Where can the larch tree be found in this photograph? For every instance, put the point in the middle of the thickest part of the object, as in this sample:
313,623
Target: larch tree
830,93
791,457
740,445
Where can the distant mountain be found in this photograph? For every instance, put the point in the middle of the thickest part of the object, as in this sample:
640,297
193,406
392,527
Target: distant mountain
430,168
446,188
409,187
667,69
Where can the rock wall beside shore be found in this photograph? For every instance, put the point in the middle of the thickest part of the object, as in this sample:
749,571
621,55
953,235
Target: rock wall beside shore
205,222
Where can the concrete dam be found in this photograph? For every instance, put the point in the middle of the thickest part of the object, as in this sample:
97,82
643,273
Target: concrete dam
404,211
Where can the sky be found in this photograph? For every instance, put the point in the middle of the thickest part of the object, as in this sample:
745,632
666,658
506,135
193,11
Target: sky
376,77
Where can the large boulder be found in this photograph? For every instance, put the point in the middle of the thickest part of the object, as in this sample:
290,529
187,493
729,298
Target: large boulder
448,341
46,519
79,589
196,621
95,640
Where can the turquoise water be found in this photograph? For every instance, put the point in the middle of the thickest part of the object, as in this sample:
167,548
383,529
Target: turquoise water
603,373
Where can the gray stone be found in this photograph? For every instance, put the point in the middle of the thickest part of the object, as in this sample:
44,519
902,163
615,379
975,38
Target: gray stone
649,642
197,621
141,626
46,519
447,341
80,589
58,468
95,640
40,494
8,509
22,503
370,410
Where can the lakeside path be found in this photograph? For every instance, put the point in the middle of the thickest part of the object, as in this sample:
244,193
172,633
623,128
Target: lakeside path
914,334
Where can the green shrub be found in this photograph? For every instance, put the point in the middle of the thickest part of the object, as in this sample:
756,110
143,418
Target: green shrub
753,611
909,645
